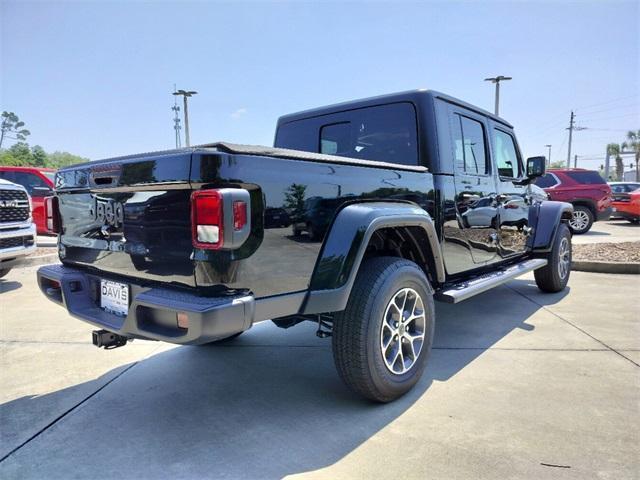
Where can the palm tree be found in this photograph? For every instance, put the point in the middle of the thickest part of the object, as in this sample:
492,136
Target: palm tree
633,142
615,149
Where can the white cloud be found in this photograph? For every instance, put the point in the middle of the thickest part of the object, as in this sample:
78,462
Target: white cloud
238,113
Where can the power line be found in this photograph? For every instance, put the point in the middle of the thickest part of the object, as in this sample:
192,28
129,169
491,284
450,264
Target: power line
607,102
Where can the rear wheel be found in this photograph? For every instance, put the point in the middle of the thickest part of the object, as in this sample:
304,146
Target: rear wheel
4,271
382,340
554,276
581,220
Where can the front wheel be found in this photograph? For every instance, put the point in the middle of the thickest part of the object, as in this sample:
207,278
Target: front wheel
581,220
382,340
4,271
554,276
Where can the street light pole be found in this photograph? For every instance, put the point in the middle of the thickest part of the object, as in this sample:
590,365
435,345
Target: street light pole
497,81
186,94
549,157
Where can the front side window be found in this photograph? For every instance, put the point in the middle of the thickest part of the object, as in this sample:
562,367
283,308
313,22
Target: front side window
385,133
505,154
28,181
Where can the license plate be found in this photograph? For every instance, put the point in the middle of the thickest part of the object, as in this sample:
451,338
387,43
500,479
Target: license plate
276,217
114,297
613,209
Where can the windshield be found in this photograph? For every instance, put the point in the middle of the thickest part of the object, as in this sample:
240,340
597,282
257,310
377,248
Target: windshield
50,175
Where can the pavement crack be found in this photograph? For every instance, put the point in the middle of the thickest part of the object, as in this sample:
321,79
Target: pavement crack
67,412
573,325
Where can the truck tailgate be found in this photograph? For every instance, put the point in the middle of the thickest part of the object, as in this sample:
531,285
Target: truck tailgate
129,216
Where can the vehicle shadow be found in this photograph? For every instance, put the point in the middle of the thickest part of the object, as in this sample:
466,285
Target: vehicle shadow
266,405
9,285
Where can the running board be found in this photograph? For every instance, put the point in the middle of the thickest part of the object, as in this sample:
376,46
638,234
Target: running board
463,290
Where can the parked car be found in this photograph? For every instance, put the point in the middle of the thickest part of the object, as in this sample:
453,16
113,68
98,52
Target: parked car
39,185
386,180
586,190
276,218
17,231
626,200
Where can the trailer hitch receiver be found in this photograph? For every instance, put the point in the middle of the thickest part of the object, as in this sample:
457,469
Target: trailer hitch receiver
107,339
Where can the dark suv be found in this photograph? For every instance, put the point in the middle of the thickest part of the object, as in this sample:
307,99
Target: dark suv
586,190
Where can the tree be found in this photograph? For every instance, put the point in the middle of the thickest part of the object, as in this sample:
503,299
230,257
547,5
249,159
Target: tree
11,125
633,143
614,149
557,164
294,199
38,156
21,155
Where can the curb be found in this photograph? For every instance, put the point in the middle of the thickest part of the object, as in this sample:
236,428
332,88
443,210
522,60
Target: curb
606,267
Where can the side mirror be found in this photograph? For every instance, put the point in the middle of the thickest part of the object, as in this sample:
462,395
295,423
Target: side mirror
41,192
536,167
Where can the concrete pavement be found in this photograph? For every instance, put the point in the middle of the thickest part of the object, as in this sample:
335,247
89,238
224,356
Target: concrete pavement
520,385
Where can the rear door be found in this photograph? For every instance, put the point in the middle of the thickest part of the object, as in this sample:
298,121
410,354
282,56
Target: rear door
129,217
475,186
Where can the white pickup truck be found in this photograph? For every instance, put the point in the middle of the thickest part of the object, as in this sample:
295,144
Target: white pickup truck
17,230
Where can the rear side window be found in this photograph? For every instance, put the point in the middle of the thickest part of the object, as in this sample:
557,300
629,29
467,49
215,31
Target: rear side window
470,148
588,178
505,153
546,181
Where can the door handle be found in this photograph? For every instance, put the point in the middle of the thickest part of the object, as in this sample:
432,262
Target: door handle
501,197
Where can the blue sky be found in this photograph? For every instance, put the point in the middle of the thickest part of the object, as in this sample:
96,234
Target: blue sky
94,78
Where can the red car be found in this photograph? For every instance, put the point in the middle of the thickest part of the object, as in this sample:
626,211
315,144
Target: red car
39,185
626,200
586,190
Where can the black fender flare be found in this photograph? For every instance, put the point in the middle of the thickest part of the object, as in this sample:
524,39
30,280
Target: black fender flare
345,245
545,218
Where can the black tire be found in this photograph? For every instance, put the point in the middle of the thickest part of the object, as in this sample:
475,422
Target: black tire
582,219
550,278
635,221
295,231
357,331
4,271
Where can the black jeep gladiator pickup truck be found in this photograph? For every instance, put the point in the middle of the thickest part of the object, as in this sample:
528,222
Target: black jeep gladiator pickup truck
362,215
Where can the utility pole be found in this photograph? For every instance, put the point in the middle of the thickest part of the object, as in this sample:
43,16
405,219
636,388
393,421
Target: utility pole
549,157
176,118
606,166
497,81
571,128
575,161
185,94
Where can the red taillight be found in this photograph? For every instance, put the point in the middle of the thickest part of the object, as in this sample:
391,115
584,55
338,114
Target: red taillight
207,219
52,214
239,214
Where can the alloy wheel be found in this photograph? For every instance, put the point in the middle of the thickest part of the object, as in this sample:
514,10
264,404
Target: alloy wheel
579,220
564,260
402,332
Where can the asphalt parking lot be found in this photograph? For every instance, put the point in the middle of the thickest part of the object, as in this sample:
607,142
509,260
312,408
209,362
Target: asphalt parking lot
613,231
520,385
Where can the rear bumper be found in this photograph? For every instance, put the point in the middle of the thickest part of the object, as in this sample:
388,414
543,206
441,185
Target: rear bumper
152,311
603,215
12,256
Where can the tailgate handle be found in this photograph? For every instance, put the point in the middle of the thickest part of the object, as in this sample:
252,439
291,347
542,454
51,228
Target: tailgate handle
103,180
